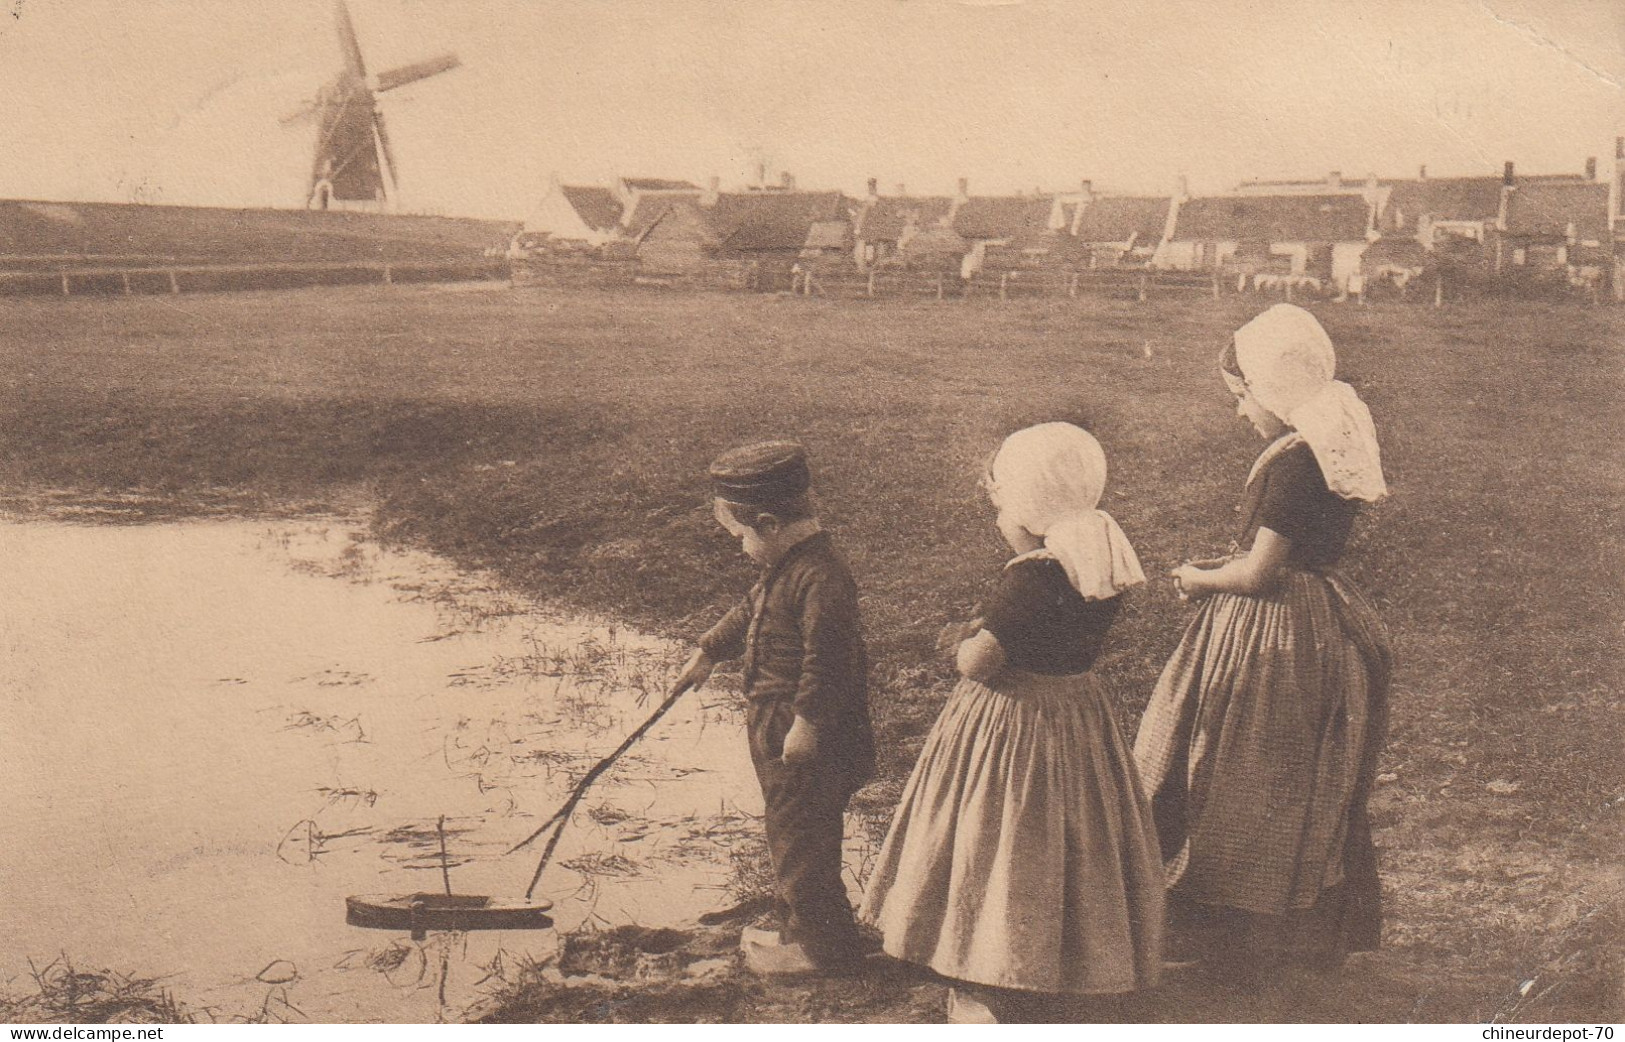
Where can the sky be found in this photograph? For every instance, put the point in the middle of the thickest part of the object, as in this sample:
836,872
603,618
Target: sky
195,101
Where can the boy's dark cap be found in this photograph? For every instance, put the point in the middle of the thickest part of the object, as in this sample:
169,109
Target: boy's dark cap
765,474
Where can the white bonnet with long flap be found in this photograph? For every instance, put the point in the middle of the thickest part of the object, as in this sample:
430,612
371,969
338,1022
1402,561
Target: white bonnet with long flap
1050,477
1287,364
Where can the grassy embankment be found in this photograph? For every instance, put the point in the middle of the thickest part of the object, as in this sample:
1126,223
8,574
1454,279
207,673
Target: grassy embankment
562,441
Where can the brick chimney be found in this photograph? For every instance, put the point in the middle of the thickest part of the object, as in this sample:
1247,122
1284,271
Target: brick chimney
1591,168
787,181
963,191
1422,174
874,188
1182,189
713,188
1087,190
761,175
1507,176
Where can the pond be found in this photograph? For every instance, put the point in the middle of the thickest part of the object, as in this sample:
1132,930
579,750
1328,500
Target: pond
215,731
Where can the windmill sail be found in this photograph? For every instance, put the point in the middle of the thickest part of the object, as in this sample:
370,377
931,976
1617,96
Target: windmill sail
416,71
386,156
347,41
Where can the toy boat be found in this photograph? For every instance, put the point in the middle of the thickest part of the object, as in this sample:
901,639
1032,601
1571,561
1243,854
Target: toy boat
420,913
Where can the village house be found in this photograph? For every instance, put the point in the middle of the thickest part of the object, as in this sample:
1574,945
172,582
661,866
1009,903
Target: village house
767,230
884,225
588,214
1121,230
1329,230
1555,225
1456,210
1006,231
674,236
1315,236
828,246
593,215
774,227
1433,210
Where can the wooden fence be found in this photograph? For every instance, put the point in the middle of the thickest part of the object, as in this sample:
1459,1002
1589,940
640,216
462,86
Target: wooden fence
178,278
1127,283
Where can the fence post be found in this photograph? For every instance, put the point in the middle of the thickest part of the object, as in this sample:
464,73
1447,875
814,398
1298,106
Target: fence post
1288,284
126,277
1072,290
1215,283
1438,291
65,290
174,283
389,278
1004,280
1143,280
939,285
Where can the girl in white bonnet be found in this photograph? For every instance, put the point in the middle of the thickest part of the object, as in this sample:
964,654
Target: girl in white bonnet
1259,744
1023,857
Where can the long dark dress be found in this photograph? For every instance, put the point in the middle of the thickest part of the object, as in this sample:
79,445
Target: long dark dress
1023,853
1259,744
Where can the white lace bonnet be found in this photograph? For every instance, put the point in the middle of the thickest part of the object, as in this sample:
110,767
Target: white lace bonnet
1050,477
1287,364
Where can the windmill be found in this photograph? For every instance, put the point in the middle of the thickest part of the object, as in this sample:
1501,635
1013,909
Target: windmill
354,166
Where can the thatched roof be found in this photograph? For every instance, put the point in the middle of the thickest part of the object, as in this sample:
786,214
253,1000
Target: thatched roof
754,221
885,218
598,208
1002,217
1119,218
1273,218
1546,209
1443,199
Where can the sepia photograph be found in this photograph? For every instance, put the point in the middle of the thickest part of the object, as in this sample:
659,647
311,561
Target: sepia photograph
812,511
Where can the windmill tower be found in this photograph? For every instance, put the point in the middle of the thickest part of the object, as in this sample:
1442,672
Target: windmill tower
354,167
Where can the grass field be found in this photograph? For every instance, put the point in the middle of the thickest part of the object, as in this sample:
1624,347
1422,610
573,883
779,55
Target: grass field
53,236
562,440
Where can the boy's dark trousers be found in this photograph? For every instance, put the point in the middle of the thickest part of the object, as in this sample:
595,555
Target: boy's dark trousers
804,828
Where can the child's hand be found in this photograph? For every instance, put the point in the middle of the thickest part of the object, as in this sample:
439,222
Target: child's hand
801,744
696,671
1188,582
954,634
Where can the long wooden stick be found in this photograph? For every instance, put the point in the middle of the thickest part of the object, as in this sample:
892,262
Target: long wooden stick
561,817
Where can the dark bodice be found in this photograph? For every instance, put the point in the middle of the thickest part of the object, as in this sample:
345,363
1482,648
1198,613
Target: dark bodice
1043,624
1289,496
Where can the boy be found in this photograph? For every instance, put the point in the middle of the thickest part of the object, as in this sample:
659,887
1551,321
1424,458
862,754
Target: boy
806,685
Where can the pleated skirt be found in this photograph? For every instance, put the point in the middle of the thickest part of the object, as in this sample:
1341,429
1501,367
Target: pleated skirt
1259,748
1023,854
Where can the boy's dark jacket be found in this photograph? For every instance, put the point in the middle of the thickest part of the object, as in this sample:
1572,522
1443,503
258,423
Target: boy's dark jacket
799,634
